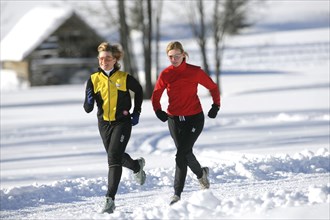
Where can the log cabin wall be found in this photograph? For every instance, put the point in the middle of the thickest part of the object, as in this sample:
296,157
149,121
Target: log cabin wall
67,56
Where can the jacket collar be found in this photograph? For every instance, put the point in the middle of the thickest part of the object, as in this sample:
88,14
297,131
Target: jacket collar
112,72
181,67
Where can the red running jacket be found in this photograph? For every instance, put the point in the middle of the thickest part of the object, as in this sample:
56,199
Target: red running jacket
181,84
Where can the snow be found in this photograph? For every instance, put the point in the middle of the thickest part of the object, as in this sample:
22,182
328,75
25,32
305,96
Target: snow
46,19
268,149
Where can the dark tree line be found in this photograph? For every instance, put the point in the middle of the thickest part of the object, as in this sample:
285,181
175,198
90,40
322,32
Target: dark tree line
228,18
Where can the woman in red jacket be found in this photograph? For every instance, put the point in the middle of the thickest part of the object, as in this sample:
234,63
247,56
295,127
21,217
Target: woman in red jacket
184,112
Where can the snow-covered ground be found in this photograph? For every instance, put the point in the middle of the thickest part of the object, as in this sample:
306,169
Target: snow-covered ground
268,149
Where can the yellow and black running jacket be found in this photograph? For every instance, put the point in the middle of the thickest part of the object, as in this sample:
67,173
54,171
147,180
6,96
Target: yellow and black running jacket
112,95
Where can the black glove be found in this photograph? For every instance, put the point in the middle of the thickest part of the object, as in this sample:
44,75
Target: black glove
89,95
161,115
135,118
213,111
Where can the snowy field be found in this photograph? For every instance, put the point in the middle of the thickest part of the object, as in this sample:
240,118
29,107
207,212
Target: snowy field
268,149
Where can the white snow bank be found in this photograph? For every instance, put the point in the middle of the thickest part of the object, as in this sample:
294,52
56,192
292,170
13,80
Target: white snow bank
10,81
201,204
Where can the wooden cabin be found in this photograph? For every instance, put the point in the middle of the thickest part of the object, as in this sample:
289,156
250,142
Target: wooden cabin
51,46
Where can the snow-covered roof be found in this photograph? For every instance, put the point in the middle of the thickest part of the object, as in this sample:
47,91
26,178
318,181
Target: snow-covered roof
32,29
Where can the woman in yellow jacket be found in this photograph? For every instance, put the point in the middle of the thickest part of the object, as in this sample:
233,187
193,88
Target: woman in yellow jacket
109,88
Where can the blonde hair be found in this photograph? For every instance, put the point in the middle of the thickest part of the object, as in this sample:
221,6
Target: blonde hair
176,45
115,50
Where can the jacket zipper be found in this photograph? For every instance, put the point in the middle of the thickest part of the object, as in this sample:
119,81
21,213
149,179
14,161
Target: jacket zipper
109,110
